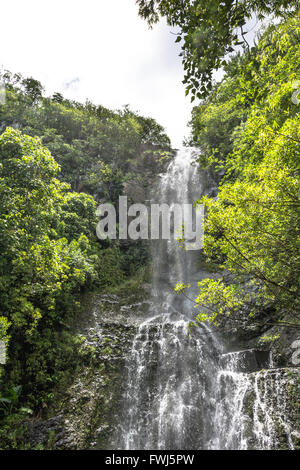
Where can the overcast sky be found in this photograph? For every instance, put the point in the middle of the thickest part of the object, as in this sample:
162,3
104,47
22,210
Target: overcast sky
98,50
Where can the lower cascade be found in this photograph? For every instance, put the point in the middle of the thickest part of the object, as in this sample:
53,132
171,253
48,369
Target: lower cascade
168,382
253,409
182,390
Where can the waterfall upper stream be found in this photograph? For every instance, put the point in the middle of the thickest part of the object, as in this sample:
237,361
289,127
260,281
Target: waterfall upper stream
166,404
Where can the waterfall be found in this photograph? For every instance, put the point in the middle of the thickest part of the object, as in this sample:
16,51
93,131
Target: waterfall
169,370
254,409
178,393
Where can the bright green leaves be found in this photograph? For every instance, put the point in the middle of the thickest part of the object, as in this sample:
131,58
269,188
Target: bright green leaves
48,251
216,299
210,30
4,326
181,287
255,98
95,147
250,128
252,228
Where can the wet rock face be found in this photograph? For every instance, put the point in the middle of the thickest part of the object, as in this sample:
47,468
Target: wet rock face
249,360
275,411
88,411
168,381
40,432
93,401
258,410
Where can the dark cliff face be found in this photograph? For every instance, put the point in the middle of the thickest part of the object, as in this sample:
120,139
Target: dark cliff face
86,413
262,332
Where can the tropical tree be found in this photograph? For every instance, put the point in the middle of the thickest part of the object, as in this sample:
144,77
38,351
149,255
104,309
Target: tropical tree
209,31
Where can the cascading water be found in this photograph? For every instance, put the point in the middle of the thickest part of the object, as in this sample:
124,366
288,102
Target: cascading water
178,393
253,410
169,371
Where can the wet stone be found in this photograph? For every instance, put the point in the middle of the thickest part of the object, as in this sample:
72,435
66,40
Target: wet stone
250,360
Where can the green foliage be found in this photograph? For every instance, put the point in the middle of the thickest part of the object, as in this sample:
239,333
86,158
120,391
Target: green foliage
13,431
268,339
214,121
255,96
95,147
136,256
9,402
252,228
209,31
48,253
181,287
111,267
49,249
218,299
4,325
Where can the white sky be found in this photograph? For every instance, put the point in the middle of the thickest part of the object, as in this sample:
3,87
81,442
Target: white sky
98,50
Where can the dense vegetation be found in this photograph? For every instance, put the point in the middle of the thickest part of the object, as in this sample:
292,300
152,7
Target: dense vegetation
99,150
209,31
249,129
59,158
49,250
